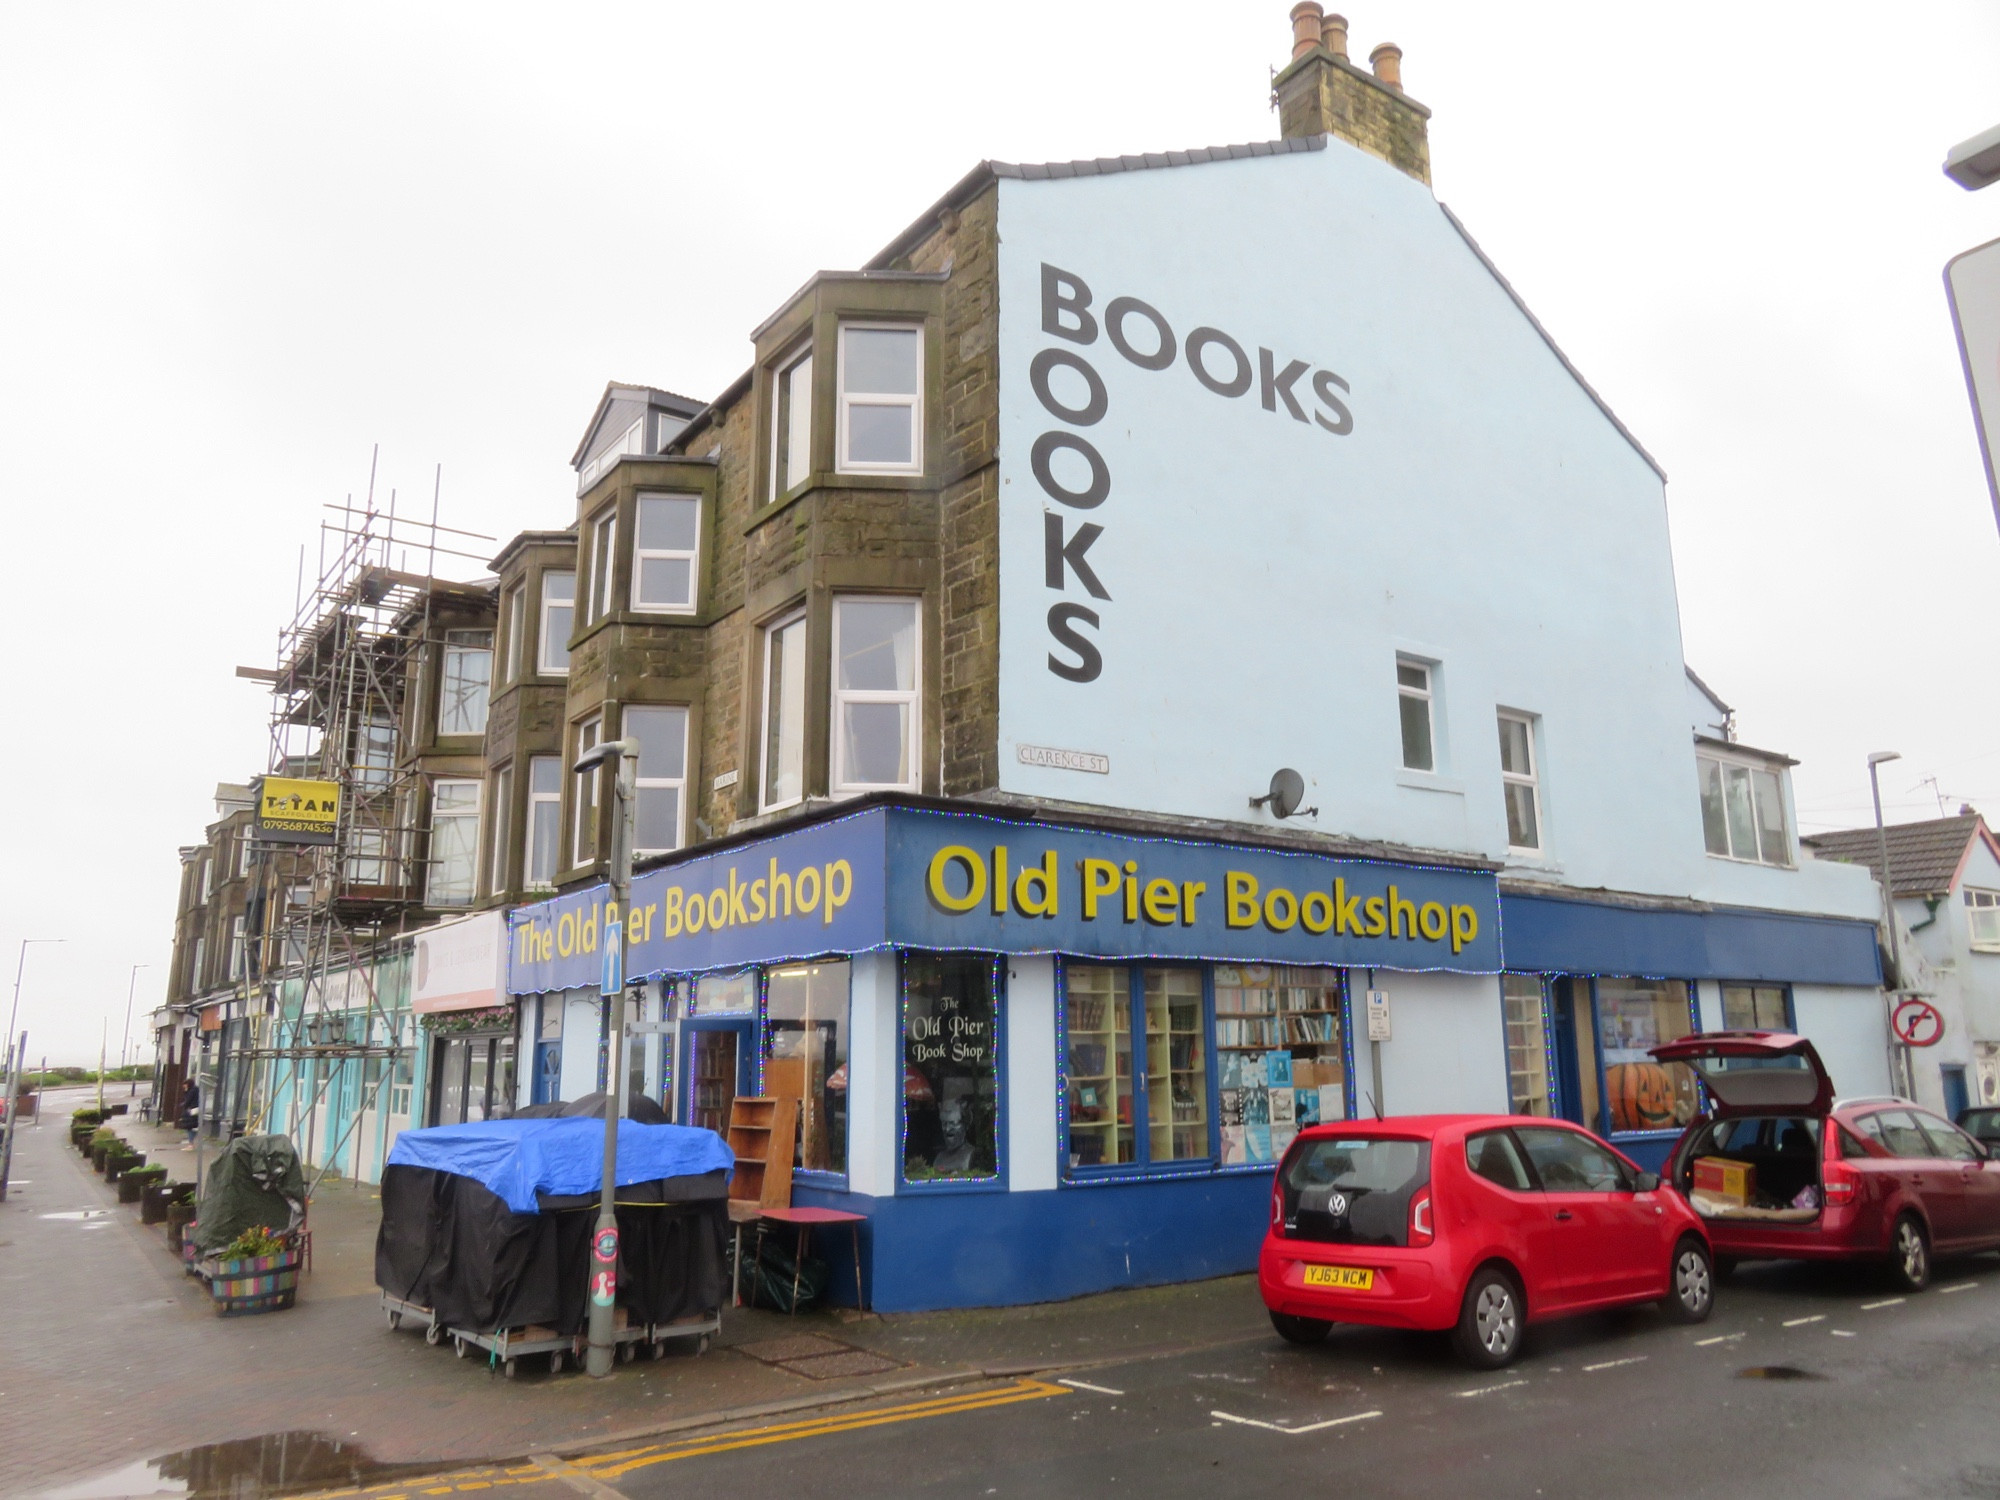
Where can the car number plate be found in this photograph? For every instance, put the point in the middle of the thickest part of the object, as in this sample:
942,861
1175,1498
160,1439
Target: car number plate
1347,1278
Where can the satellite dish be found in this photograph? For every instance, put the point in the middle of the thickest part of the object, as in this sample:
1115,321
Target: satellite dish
1288,790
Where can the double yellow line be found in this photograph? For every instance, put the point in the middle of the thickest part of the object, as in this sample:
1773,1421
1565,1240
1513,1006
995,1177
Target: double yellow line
609,1466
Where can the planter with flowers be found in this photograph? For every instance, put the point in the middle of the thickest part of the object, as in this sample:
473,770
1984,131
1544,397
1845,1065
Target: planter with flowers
256,1272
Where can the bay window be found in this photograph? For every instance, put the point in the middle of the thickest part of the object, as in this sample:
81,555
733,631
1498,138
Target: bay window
879,428
454,843
784,713
466,681
557,622
583,830
497,841
544,820
662,777
791,425
875,703
663,556
604,555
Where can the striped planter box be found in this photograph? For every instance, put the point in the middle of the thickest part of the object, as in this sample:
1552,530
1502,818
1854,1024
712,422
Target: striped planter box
269,1283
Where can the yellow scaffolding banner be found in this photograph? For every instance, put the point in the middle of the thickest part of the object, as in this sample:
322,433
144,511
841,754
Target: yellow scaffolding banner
291,811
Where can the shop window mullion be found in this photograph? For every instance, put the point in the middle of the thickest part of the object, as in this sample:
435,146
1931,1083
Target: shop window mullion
1142,1099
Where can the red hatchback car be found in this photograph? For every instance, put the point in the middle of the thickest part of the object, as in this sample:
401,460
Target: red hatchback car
1809,1177
1477,1223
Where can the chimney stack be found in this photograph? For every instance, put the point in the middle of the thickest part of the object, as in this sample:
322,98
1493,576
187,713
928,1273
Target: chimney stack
1322,92
1387,61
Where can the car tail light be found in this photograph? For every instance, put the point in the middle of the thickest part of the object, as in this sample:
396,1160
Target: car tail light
1842,1183
1278,1204
1420,1217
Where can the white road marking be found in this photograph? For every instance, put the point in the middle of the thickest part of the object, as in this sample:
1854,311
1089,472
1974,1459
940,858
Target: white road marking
1084,1385
1885,1302
1842,1333
1361,1416
1612,1364
1963,1286
1720,1338
1796,1322
1487,1390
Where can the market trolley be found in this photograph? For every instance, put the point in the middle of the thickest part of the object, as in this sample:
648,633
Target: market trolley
486,1236
398,1312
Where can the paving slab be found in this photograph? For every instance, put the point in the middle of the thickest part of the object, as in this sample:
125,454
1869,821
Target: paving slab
117,1357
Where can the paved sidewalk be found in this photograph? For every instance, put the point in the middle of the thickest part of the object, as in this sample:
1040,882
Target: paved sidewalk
117,1357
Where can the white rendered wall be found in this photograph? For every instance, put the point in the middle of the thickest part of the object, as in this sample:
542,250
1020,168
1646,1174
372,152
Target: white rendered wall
1030,1079
873,1078
1448,1051
1846,1028
1264,573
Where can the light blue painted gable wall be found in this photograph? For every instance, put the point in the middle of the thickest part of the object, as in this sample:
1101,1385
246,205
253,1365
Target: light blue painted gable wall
1264,573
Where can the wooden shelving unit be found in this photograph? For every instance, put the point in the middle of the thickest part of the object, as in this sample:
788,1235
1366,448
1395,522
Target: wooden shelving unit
764,1134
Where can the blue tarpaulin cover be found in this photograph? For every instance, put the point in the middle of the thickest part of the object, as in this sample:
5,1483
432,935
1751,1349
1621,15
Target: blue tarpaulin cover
516,1159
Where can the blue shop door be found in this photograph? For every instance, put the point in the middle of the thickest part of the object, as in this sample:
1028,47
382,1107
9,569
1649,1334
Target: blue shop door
548,1072
1956,1096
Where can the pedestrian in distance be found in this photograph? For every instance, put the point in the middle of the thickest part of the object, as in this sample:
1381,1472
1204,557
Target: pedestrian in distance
190,1115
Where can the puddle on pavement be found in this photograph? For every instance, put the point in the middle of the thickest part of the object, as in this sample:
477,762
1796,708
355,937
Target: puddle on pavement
78,1215
278,1463
1777,1372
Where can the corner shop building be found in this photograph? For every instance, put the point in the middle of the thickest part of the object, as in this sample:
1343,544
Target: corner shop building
1047,1058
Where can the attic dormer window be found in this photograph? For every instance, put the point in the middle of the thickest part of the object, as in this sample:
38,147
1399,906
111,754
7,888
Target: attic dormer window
1743,810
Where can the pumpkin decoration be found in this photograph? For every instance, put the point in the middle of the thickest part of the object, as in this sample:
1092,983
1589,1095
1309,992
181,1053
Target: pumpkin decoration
1643,1095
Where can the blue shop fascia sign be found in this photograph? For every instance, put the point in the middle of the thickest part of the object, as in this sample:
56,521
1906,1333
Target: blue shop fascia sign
922,878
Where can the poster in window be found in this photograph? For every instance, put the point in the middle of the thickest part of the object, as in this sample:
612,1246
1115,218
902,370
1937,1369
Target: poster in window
950,1099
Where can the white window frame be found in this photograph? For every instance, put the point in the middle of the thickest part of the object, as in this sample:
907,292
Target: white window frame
543,636
784,406
238,947
1980,903
1532,780
640,783
1426,695
471,816
771,633
516,617
603,562
537,801
584,735
913,696
1750,767
640,555
497,842
457,644
243,854
843,402
207,878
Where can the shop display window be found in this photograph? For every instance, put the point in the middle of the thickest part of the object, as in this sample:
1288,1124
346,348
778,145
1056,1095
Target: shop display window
1115,1116
805,1056
1528,1091
951,1099
1634,1016
1281,1038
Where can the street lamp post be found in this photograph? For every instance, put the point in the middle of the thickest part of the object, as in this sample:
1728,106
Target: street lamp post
16,1051
125,1041
601,1352
1899,1056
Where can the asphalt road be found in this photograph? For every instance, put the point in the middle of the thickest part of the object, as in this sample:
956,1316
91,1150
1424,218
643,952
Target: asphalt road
1886,1397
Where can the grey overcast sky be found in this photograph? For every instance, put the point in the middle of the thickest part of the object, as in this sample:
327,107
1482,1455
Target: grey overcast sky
242,244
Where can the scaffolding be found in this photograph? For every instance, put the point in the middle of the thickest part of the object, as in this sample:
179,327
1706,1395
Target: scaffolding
328,921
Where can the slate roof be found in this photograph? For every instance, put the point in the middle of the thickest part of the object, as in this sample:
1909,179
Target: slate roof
1924,858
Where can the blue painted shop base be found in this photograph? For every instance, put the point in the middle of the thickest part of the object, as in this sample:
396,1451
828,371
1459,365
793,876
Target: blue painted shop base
924,1252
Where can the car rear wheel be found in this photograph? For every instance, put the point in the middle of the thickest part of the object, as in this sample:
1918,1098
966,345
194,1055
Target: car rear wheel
1297,1330
1691,1288
1491,1323
1910,1254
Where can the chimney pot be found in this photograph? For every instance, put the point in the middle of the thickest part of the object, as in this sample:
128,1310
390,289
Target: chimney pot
1333,36
1387,61
1306,17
